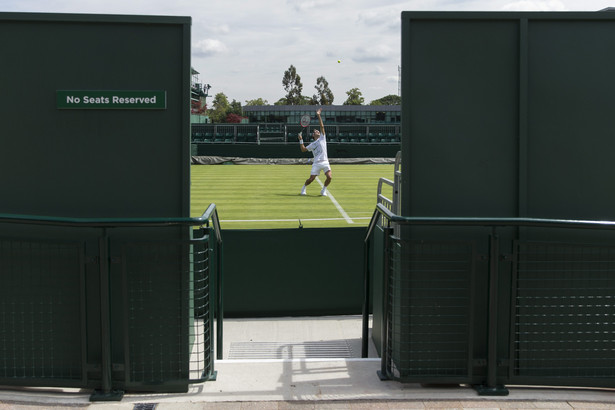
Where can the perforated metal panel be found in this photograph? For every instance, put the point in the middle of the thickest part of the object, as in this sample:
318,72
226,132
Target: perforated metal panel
564,312
430,309
41,311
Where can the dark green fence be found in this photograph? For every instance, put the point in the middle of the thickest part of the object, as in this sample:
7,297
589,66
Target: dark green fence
271,272
491,302
111,305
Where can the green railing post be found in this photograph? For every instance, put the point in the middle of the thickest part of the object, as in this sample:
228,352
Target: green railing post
383,373
106,393
366,300
492,388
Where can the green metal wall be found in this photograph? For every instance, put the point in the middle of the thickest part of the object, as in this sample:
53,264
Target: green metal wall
508,114
84,162
505,115
293,272
87,162
291,150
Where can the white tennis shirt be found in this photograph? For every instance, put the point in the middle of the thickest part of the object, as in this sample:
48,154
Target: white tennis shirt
319,149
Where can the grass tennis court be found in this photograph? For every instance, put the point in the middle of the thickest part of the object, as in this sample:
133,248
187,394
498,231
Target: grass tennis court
267,196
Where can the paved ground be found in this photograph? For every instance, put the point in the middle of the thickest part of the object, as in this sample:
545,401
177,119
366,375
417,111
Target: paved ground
297,380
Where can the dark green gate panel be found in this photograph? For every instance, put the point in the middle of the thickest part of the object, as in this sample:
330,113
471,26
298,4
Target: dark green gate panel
563,313
431,323
42,311
293,272
156,313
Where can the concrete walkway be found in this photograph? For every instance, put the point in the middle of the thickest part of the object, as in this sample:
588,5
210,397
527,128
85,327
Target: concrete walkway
282,364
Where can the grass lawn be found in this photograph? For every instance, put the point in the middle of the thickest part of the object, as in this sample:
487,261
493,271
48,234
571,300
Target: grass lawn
267,196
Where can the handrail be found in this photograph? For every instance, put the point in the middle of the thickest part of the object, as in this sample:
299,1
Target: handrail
102,222
488,221
211,212
373,222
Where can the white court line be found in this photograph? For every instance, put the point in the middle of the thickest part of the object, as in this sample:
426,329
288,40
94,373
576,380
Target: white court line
291,220
337,205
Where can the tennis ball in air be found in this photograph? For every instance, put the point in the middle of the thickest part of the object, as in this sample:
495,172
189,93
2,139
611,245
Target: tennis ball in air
339,61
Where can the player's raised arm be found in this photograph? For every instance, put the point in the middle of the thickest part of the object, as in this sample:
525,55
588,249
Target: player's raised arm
322,126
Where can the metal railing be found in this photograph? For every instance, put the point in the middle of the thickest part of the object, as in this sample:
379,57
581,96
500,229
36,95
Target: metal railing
394,202
531,304
140,291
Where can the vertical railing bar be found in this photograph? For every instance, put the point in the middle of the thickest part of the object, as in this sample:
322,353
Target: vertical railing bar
219,302
83,307
383,373
493,316
105,328
366,300
492,388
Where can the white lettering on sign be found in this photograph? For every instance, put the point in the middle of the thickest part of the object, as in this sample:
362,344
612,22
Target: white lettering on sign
119,99
134,100
95,100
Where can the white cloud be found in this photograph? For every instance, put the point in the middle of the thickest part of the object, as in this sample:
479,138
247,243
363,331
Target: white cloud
378,53
220,29
306,5
208,47
388,19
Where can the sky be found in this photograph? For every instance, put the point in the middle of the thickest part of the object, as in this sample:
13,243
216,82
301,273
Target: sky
243,47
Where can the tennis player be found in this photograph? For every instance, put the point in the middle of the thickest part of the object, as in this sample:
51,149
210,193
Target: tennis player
318,147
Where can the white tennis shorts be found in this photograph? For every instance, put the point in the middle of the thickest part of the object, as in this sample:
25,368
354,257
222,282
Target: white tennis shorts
320,166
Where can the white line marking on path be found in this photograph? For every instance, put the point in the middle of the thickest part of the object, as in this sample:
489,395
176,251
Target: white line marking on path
337,205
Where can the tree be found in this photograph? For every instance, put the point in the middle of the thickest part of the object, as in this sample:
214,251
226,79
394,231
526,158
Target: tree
292,85
391,99
325,95
233,118
220,106
235,108
307,101
257,101
354,97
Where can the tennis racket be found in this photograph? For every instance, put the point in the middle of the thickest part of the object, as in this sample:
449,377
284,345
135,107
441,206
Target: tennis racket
305,120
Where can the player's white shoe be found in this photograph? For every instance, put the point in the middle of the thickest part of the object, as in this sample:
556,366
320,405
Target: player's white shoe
302,191
324,192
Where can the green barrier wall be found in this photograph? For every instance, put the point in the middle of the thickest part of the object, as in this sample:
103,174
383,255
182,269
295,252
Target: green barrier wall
505,115
107,91
291,150
293,272
83,161
508,114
